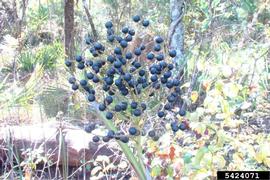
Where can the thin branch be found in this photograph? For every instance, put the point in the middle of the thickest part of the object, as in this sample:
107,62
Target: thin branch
90,19
173,26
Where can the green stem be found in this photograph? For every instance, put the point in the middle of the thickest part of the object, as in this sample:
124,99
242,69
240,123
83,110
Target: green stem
137,165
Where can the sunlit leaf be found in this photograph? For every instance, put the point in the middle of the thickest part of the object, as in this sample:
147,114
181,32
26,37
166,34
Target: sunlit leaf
156,171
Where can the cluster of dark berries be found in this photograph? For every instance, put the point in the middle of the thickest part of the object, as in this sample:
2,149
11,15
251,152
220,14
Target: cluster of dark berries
129,83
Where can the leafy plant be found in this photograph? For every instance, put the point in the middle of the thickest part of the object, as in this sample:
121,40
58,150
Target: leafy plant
128,90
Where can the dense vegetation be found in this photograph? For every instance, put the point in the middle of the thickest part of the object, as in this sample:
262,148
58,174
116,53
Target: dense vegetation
186,116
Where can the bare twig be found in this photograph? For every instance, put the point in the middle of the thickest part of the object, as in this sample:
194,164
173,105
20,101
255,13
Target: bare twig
90,19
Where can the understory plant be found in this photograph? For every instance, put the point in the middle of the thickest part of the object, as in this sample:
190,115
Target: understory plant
132,86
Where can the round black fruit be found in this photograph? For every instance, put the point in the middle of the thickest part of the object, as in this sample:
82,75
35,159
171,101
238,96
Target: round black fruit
102,107
124,139
109,24
172,53
151,133
109,115
132,131
125,30
145,23
136,18
95,139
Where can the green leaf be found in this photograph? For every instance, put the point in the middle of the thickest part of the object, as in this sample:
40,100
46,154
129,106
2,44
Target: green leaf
137,165
215,3
170,171
156,171
200,154
187,158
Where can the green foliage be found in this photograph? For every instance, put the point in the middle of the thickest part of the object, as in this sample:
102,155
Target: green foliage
48,56
54,100
37,16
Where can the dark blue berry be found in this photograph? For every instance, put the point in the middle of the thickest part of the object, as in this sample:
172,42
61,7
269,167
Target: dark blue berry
110,134
125,30
109,115
137,112
75,87
80,65
102,107
172,53
136,18
110,32
182,126
118,51
171,98
95,79
163,80
92,91
154,78
123,43
142,72
95,68
105,139
88,40
159,39
132,69
110,58
124,139
79,58
176,82
117,64
128,38
106,87
109,24
72,80
167,106
129,55
108,80
98,46
157,47
174,126
161,114
142,47
89,63
68,63
124,106
143,105
177,90
83,82
118,108
160,57
89,127
137,65
145,23
132,131
169,84
133,105
131,32
110,38
182,112
109,99
151,133
127,77
153,70
150,56
138,52
170,66
96,139
91,97
118,38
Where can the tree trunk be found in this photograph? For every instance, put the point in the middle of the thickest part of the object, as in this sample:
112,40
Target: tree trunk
69,28
176,34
